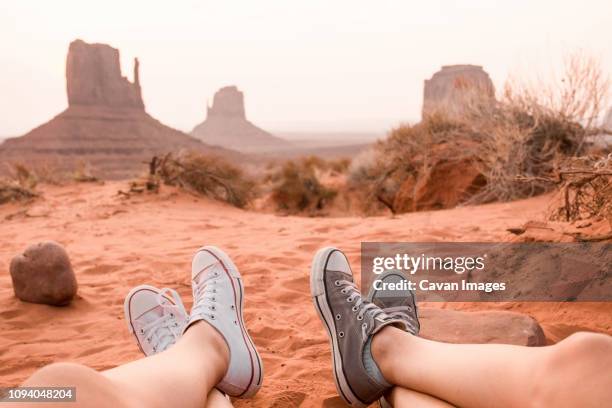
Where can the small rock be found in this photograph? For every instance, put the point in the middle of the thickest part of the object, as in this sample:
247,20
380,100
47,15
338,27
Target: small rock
452,326
43,274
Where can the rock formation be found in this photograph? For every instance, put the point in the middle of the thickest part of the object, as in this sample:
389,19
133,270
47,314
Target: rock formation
226,125
105,124
93,78
43,274
453,326
454,87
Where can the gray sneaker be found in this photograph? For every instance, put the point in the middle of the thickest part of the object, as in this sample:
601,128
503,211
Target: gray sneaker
400,304
351,322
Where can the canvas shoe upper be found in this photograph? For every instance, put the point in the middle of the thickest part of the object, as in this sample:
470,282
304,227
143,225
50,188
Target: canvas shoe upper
155,316
397,303
218,295
351,322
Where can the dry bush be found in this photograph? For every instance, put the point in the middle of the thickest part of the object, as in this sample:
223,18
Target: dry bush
14,192
586,187
578,94
296,187
211,176
496,154
82,173
19,186
491,152
520,150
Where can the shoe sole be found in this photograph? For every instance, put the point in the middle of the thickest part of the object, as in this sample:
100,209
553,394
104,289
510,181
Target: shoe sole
319,299
230,269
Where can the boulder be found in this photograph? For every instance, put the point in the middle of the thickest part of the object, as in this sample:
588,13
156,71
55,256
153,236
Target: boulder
43,274
226,126
455,87
452,326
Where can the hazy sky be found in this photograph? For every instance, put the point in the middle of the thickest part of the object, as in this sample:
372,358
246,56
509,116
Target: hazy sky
307,65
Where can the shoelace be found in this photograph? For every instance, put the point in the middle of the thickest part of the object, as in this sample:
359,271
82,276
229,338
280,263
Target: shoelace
403,312
362,307
205,292
164,331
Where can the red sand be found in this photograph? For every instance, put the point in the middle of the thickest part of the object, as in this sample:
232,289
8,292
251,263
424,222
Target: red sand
116,243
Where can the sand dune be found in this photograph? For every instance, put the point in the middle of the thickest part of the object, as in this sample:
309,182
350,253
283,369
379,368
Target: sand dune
116,243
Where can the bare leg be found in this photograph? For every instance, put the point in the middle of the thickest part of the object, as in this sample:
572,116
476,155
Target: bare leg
402,397
216,399
181,376
574,372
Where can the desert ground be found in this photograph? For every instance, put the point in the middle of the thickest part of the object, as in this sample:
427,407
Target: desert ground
116,243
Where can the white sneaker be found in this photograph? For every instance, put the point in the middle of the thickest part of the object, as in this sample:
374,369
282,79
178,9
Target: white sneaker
217,299
155,316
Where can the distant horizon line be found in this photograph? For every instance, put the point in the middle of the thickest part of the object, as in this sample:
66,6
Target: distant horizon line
333,128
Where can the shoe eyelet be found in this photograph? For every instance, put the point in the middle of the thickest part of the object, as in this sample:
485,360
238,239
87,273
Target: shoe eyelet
213,308
338,316
148,340
365,325
212,317
343,291
349,299
354,308
359,317
233,307
141,331
337,283
214,299
236,323
341,334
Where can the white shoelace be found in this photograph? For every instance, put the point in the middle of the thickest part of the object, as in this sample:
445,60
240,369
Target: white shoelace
362,308
205,293
166,330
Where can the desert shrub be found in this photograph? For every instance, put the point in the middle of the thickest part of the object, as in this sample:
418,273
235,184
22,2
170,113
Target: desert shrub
19,185
211,176
332,166
296,187
520,149
339,166
82,173
497,154
498,151
585,184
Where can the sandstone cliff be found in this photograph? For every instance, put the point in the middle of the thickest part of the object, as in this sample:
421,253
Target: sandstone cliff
226,125
105,124
455,87
93,78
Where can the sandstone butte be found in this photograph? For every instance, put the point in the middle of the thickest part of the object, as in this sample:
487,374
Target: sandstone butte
454,87
226,125
105,126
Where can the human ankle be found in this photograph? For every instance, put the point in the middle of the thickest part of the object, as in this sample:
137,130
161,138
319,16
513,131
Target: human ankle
210,342
383,345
